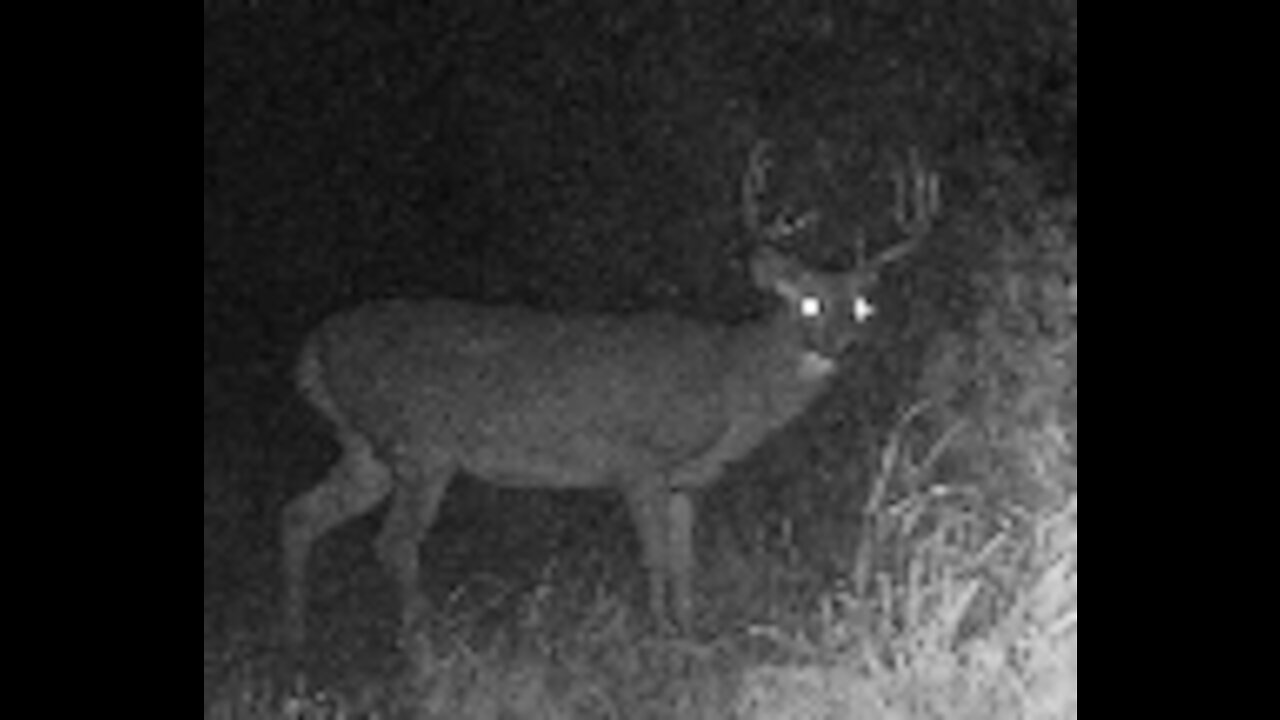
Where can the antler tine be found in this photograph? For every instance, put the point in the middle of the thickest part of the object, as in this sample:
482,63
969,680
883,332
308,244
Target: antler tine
917,197
754,183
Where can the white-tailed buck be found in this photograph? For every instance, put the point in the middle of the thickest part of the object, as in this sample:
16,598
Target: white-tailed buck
651,405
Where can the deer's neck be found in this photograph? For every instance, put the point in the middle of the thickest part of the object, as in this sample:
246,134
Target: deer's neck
778,374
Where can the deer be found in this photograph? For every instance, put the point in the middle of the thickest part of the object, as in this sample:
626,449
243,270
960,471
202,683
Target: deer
651,405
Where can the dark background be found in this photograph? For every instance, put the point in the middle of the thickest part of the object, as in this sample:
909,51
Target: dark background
569,154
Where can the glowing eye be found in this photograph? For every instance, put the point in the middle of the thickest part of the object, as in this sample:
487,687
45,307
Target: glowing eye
810,307
863,309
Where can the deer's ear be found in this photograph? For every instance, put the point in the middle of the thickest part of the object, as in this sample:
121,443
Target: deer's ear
770,270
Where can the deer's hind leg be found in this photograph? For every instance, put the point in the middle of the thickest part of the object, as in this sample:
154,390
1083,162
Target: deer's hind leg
415,503
353,486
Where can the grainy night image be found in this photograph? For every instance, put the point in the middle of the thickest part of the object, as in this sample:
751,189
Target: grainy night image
630,359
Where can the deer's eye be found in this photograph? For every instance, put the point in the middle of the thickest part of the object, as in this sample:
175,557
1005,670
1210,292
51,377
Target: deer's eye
863,309
810,307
